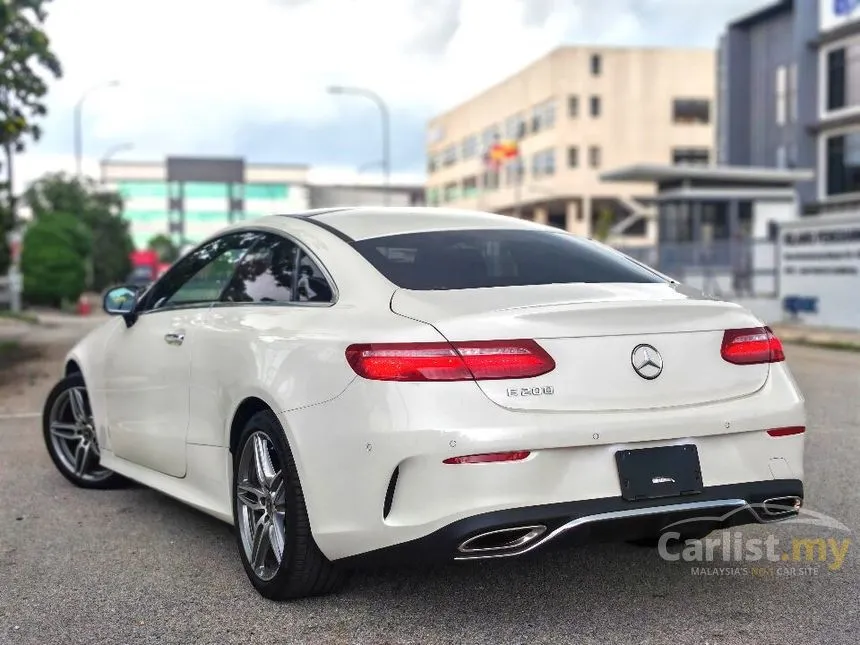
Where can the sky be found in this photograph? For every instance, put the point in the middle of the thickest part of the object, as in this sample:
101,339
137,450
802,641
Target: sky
249,77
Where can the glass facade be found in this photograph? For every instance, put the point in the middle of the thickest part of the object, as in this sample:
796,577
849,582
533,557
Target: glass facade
206,206
145,189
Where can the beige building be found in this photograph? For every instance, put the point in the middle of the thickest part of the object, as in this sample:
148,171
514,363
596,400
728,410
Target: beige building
578,112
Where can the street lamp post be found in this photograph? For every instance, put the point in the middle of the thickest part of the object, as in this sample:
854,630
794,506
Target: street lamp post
386,127
79,123
110,154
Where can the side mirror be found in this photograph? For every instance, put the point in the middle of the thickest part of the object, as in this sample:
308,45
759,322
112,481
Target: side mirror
120,301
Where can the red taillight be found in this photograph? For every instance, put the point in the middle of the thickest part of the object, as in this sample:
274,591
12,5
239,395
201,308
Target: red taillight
786,432
463,361
751,346
488,458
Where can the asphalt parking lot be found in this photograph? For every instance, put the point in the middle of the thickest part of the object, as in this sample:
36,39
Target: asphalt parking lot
133,566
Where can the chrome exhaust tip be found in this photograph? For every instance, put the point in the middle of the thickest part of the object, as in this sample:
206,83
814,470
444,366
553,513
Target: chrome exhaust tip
779,506
502,540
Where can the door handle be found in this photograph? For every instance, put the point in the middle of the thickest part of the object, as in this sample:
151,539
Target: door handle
174,337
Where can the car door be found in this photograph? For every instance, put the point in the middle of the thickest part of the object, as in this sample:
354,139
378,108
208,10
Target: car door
255,332
147,365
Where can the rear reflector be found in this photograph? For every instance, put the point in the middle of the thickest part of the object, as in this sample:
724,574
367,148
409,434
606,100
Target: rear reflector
488,458
785,432
751,346
462,361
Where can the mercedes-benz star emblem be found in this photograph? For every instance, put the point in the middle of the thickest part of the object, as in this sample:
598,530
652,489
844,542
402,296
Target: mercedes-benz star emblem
647,361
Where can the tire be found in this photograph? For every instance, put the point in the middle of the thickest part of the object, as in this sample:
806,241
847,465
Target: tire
302,570
69,433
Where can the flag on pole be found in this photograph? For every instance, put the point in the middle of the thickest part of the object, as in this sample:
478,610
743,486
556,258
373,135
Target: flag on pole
500,152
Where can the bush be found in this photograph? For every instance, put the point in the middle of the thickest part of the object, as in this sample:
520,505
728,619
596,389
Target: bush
53,260
98,210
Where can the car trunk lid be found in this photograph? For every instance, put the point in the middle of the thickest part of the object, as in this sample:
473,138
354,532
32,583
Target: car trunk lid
592,332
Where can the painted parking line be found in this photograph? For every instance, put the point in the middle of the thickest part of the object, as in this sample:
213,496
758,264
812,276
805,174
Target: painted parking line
23,415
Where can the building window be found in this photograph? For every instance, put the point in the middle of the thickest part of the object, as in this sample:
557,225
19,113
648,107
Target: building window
781,92
143,189
573,106
843,164
573,157
792,93
491,180
836,79
515,127
432,164
469,147
514,172
594,159
261,191
595,65
489,136
449,155
688,111
691,156
781,157
543,163
595,106
543,116
450,192
432,196
470,187
843,76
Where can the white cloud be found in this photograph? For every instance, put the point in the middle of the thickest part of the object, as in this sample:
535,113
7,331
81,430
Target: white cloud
189,68
196,70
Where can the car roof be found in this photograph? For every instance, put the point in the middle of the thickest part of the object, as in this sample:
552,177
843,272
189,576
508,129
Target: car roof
362,223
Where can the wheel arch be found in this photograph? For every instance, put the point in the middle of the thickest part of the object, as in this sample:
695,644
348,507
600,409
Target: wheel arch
72,367
241,415
250,405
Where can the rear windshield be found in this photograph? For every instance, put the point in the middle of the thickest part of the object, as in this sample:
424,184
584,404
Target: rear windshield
473,259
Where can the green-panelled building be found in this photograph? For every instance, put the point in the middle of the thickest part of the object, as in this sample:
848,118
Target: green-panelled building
206,206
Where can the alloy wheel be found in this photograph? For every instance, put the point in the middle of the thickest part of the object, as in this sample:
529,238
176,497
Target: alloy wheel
73,436
261,505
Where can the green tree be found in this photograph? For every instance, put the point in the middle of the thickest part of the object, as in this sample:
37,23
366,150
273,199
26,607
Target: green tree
603,226
165,248
25,57
53,259
99,211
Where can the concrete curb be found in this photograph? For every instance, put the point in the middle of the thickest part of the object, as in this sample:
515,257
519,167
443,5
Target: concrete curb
815,337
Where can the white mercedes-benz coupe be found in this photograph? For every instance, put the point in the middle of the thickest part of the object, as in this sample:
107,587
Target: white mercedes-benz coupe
357,386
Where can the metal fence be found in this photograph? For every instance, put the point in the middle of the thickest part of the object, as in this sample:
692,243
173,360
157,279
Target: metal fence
732,268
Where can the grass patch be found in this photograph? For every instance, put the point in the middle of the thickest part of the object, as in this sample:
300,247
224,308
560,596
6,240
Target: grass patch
22,316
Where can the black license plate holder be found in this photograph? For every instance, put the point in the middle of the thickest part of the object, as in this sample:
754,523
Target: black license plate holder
666,471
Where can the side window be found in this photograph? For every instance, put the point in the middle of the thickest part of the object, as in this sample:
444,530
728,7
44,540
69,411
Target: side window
312,285
265,274
203,274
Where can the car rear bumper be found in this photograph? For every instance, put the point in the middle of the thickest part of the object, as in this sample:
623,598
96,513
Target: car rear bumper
371,460
523,531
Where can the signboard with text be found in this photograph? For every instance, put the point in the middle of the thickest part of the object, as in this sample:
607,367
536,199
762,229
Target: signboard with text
820,270
835,13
